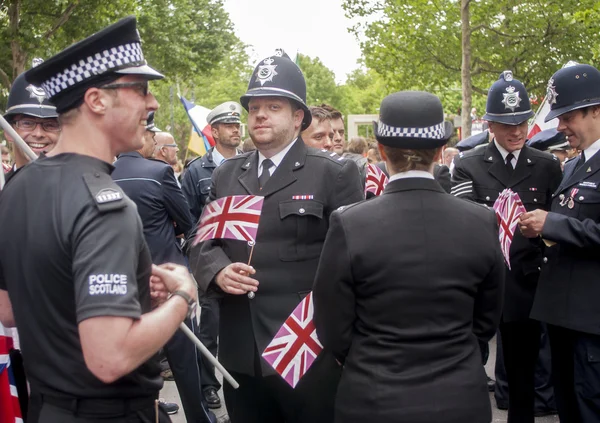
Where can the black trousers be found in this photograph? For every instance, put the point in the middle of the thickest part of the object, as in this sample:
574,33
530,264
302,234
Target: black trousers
182,356
53,414
208,333
576,372
520,344
270,399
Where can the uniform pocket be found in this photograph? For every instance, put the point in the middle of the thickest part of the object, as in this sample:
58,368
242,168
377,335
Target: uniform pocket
304,229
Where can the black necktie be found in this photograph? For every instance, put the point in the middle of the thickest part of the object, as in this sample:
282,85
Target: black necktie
581,161
509,165
265,175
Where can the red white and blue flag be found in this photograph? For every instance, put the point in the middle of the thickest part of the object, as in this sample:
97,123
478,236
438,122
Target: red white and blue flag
234,217
376,180
295,346
10,410
508,208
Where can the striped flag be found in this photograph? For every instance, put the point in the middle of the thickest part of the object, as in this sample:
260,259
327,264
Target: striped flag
201,130
375,181
296,346
234,217
508,208
10,410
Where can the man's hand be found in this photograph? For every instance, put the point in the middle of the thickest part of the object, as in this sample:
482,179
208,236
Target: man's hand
234,279
531,223
171,277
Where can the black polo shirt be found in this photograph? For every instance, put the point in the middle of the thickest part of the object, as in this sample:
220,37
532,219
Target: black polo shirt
72,249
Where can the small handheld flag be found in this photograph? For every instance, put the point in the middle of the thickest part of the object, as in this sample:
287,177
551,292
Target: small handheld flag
375,181
508,208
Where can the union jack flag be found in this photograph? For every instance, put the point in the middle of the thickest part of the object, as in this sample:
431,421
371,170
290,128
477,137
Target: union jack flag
376,180
10,410
508,208
234,217
296,346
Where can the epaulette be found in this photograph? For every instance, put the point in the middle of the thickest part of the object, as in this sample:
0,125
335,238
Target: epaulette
191,161
107,195
326,154
347,207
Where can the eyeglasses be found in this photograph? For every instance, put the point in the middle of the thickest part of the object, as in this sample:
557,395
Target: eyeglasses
169,145
140,87
50,125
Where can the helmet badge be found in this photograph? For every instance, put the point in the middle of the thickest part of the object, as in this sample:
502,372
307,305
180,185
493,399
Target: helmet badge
266,71
511,98
551,93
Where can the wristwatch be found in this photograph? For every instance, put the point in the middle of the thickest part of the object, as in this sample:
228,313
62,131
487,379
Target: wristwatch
190,301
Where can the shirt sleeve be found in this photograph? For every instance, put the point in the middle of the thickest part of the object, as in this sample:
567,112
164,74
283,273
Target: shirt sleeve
105,248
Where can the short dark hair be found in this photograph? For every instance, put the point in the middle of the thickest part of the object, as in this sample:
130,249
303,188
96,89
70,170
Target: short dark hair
319,113
403,160
335,114
358,145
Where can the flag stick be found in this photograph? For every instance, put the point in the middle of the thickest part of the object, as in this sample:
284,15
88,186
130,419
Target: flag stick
2,180
251,294
18,140
208,355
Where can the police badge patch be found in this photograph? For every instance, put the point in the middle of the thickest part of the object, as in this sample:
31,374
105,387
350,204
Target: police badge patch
511,98
551,93
108,195
266,71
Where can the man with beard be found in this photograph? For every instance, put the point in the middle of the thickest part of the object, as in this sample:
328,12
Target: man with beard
301,187
166,148
33,117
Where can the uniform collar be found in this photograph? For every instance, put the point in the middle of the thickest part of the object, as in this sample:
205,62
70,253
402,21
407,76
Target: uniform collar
591,150
411,174
277,158
504,153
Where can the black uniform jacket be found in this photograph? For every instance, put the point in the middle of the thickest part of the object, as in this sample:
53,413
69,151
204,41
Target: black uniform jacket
196,183
152,186
288,245
406,283
481,175
569,285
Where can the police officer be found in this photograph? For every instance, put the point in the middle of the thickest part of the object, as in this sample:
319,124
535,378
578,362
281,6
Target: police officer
480,175
33,117
301,186
568,288
82,301
225,127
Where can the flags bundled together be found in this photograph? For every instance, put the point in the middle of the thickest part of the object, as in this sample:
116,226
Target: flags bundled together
10,410
508,208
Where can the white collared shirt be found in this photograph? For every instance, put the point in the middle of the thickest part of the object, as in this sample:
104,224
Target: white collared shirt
411,174
504,153
276,159
591,150
218,157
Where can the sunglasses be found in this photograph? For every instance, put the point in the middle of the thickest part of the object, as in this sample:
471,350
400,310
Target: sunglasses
140,87
50,125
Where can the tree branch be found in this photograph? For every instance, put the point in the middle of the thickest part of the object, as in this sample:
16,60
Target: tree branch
5,79
64,17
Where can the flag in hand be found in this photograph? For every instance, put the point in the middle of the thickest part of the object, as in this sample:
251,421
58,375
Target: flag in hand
296,346
10,410
508,208
375,181
234,217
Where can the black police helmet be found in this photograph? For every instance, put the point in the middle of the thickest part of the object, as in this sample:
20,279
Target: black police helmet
507,101
412,120
278,76
571,88
27,99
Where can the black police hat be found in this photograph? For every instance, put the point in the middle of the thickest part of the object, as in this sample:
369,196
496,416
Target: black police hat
507,101
150,126
473,141
110,53
27,99
278,76
548,139
573,87
412,120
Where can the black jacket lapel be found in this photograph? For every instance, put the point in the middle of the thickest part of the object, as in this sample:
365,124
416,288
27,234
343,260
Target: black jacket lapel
249,178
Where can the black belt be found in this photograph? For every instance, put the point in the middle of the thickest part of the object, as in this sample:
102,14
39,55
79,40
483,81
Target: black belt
101,406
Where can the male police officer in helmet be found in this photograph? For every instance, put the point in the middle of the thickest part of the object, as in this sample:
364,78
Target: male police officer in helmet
302,186
480,175
568,291
82,300
33,117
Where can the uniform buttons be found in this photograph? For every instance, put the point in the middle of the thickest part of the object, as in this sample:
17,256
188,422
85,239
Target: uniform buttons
581,198
251,295
97,175
535,200
487,198
545,260
302,211
540,269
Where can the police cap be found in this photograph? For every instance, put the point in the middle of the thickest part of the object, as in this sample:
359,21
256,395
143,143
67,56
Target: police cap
27,99
412,120
507,101
278,76
99,59
548,139
150,126
228,112
573,87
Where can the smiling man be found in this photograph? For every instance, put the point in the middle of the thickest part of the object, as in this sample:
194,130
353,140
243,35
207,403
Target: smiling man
33,117
481,175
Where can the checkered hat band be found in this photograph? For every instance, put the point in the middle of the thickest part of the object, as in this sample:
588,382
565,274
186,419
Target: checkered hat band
431,132
114,58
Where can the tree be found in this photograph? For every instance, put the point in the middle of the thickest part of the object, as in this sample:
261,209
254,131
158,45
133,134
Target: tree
320,81
418,43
